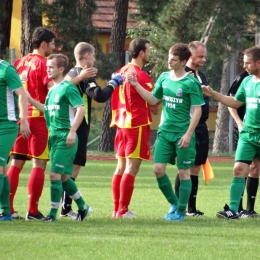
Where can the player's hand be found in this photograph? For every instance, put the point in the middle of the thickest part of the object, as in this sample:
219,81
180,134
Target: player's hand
240,126
71,138
116,80
184,141
154,109
87,73
208,91
23,78
24,129
131,78
191,73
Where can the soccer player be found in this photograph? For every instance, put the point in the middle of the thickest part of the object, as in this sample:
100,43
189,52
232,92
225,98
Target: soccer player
85,57
179,92
64,112
195,62
248,146
132,117
12,96
253,176
33,67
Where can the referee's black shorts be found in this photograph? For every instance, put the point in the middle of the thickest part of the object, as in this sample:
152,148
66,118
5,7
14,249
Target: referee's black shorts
81,155
202,143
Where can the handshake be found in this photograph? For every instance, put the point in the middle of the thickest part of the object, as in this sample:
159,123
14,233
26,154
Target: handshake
116,80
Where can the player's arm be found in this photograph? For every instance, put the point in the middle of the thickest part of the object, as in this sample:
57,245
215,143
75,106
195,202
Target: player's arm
23,110
85,74
185,140
102,95
35,103
80,113
148,96
225,100
236,117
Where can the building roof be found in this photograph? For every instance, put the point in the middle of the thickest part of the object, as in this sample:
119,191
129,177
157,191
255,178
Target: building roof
103,17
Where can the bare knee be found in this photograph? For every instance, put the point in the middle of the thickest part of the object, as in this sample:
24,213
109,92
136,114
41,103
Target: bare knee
240,169
159,169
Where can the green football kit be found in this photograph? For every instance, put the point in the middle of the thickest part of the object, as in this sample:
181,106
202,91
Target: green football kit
178,96
9,115
249,138
59,112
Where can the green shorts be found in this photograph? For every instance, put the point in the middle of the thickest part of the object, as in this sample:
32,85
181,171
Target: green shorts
61,156
8,134
167,149
248,146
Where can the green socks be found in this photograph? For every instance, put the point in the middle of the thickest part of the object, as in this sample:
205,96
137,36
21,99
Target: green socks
71,189
165,186
184,195
56,193
4,195
236,189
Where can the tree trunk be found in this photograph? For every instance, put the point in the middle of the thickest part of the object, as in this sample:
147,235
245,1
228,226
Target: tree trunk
6,7
31,19
221,138
117,42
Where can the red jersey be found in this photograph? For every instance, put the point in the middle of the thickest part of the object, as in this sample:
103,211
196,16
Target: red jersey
129,109
34,67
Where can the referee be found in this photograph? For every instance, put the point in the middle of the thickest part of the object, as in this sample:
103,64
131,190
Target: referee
196,61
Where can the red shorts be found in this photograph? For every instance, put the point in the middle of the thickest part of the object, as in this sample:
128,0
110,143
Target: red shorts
133,143
36,145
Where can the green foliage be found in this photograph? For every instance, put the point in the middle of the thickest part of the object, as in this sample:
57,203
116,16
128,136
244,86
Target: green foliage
71,21
186,21
149,237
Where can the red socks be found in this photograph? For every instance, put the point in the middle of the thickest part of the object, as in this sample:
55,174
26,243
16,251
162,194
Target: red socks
13,176
126,191
35,186
116,190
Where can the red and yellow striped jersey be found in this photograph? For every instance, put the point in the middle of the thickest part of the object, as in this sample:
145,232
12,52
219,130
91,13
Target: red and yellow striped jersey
129,109
34,67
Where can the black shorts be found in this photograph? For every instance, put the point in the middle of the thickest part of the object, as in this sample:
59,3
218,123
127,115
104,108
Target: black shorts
81,155
202,143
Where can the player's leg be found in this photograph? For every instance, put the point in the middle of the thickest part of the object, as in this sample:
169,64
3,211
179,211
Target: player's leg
18,157
79,161
38,150
7,139
116,182
244,155
120,144
137,148
202,147
252,187
164,153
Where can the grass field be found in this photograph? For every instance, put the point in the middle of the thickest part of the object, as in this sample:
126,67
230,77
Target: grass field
148,237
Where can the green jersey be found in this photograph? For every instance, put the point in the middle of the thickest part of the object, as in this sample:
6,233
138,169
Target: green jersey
60,104
9,82
178,96
249,93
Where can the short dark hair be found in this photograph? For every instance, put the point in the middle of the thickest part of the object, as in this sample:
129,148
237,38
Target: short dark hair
137,45
42,34
61,61
181,50
253,52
